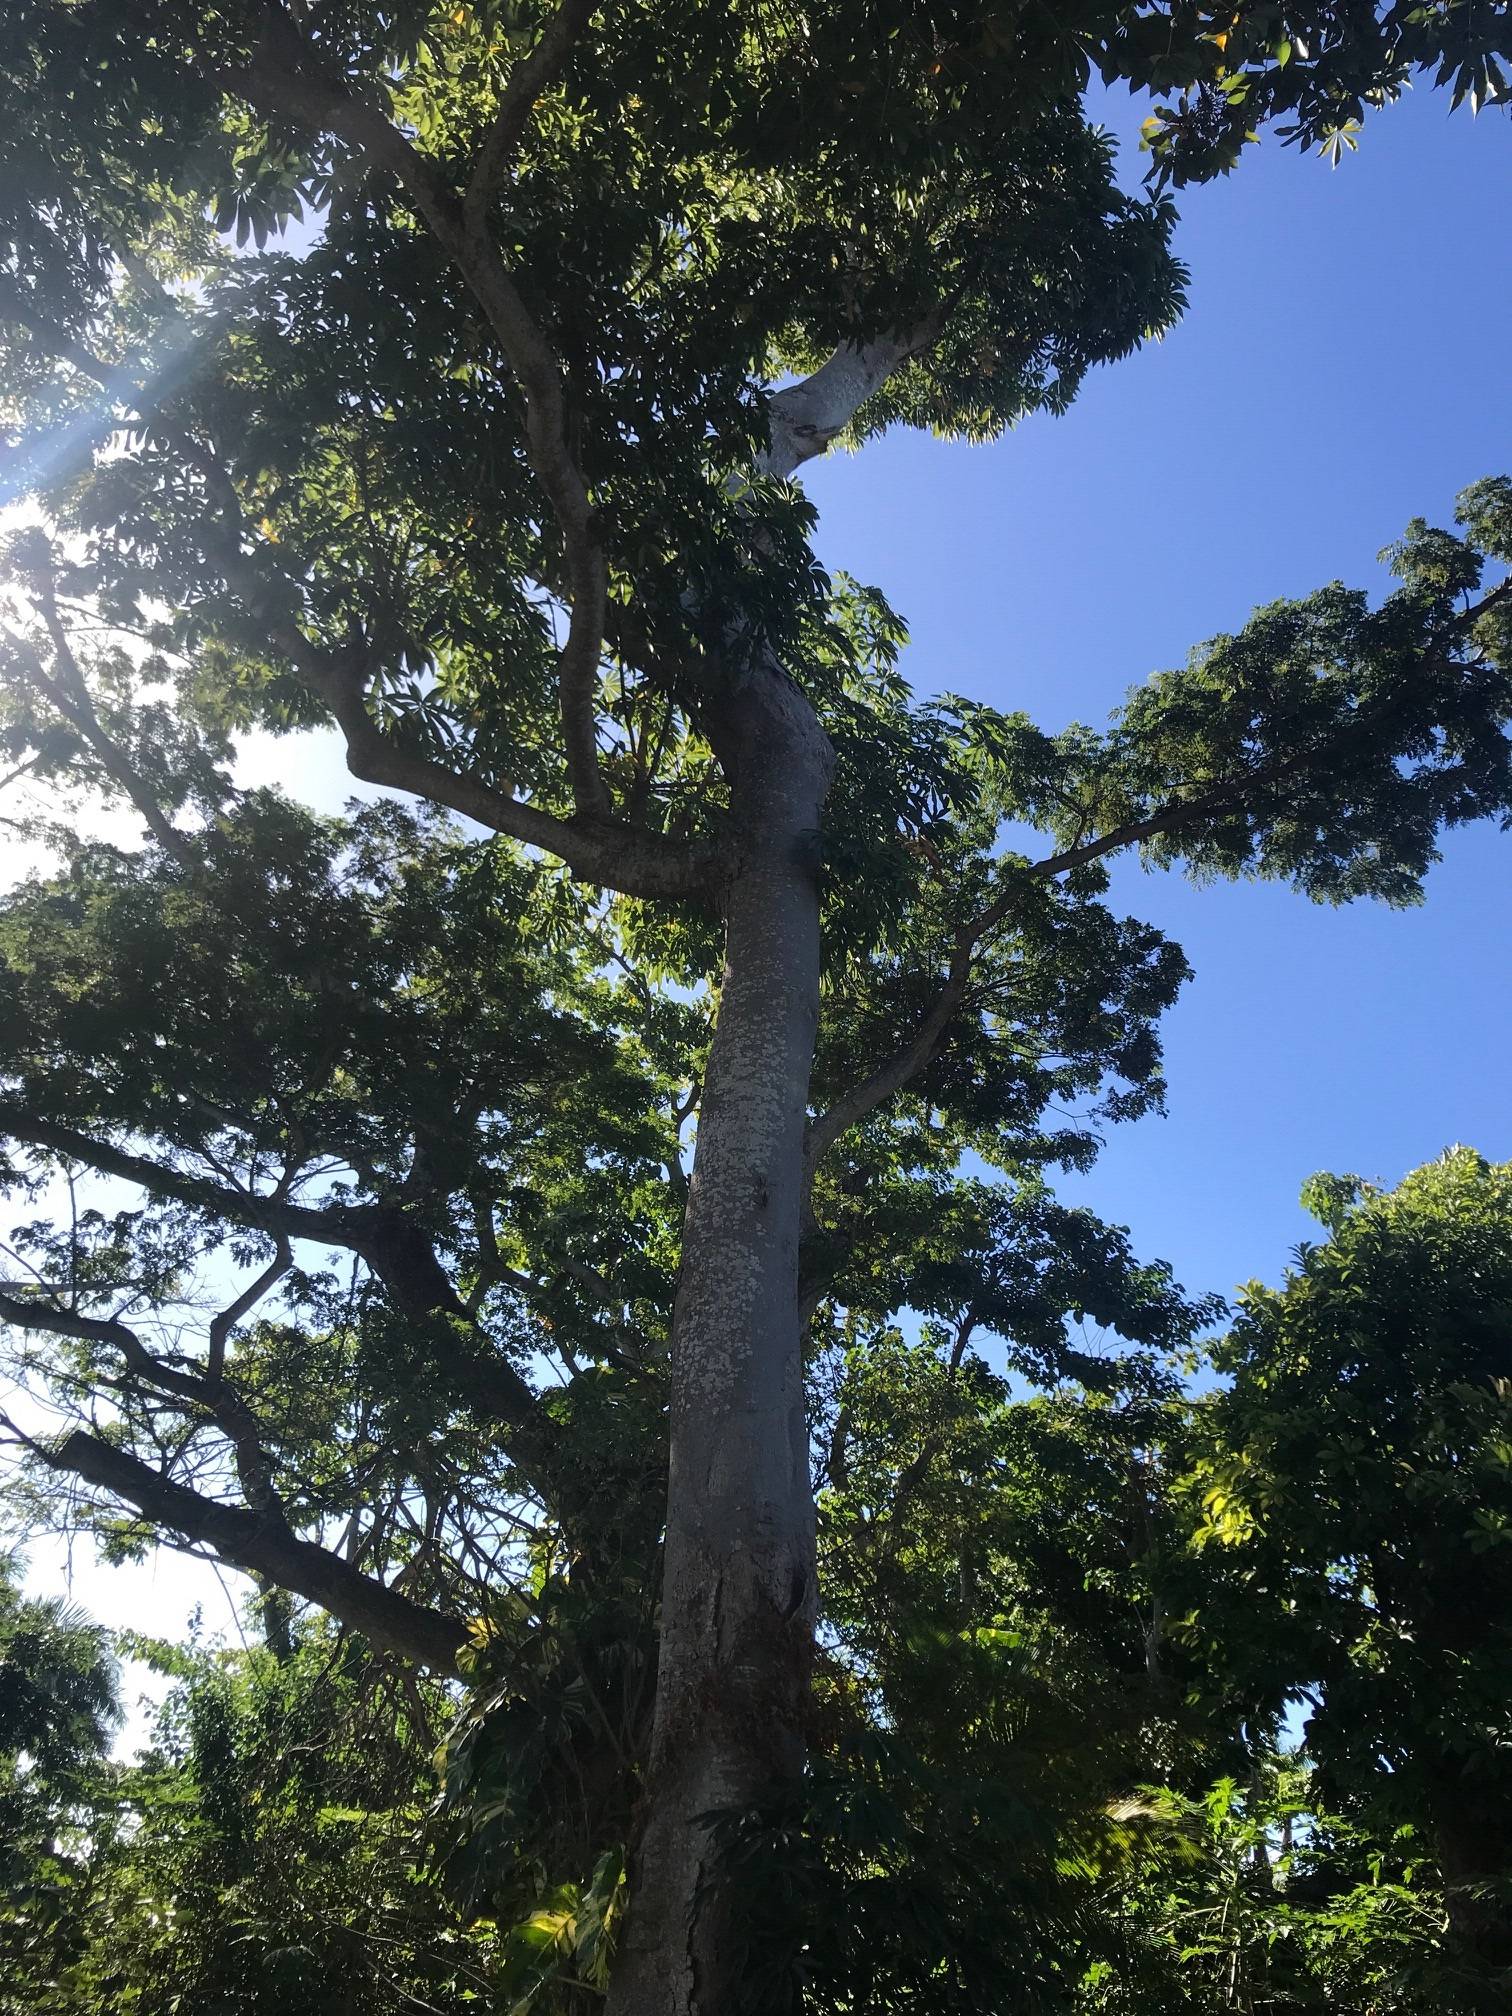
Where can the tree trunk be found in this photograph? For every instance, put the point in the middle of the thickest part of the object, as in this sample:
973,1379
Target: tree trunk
738,1599
1474,1841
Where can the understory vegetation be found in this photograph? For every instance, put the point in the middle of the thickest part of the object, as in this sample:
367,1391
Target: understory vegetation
1127,1701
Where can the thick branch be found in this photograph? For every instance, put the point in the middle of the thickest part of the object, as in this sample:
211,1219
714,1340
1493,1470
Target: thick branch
207,1392
355,1227
286,76
804,419
14,307
265,1547
29,1315
600,849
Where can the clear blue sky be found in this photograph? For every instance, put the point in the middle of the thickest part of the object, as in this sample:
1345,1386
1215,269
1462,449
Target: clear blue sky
1345,364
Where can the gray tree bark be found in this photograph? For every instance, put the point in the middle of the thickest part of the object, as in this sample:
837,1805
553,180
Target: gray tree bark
739,1592
738,1597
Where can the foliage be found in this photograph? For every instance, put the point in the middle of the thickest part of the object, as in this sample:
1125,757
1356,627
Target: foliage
262,1854
435,376
1354,1478
58,1707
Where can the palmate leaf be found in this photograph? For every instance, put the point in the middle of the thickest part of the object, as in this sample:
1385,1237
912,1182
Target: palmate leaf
568,1939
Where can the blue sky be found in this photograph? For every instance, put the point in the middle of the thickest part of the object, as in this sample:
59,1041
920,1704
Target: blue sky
1345,364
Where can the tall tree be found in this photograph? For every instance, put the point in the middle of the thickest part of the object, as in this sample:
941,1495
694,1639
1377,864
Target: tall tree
1355,1477
494,474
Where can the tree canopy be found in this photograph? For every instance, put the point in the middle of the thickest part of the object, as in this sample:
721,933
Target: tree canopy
490,1215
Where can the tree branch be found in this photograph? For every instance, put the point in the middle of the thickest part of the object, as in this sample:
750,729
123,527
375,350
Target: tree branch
266,1547
399,1255
630,859
803,419
287,76
529,78
226,1321
605,850
894,1073
208,1391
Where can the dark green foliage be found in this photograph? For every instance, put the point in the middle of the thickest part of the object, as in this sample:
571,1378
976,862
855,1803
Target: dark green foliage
1355,1482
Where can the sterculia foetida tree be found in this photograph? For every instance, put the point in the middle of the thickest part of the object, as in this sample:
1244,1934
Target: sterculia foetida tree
440,374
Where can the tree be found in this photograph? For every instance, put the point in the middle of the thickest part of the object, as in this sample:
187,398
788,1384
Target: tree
263,1851
58,1709
494,474
1356,1477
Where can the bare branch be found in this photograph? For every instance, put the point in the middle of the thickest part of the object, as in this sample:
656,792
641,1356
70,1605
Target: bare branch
265,1547
226,1321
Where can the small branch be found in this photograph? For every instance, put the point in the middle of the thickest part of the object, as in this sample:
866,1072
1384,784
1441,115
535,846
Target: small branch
965,1331
223,1324
1234,794
895,1072
836,1465
529,78
1229,795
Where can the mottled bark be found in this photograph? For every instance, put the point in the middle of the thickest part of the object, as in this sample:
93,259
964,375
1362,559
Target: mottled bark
739,1584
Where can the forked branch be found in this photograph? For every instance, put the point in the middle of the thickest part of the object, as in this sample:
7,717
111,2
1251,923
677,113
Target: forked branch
287,75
